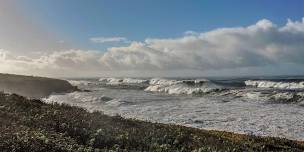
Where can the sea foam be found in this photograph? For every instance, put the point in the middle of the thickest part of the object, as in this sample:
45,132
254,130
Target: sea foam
273,84
123,81
182,86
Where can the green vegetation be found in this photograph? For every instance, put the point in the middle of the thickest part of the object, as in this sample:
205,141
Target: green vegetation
31,125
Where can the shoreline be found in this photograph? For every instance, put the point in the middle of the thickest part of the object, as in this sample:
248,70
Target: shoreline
35,126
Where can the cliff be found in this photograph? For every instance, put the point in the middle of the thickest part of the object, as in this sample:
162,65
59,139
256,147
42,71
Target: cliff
33,87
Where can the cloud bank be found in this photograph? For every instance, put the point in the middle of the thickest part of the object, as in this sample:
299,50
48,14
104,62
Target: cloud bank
107,39
259,45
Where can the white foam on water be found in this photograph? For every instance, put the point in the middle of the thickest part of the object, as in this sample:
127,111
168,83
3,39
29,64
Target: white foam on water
164,82
272,84
78,82
250,116
80,97
250,110
181,86
122,81
266,95
179,89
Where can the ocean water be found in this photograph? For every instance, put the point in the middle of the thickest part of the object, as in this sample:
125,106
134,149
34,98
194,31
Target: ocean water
266,106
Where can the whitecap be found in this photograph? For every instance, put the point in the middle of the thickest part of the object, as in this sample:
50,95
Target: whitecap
273,84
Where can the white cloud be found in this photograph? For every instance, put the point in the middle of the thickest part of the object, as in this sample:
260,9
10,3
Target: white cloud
64,63
108,39
263,44
191,33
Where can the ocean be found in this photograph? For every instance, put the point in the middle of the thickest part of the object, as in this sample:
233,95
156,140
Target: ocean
265,106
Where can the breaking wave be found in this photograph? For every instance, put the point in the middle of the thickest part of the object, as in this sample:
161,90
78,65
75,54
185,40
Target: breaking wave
124,83
277,91
190,87
273,84
273,96
169,86
79,82
117,81
241,105
81,97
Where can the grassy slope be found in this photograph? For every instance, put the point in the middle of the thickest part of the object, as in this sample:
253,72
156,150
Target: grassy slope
30,125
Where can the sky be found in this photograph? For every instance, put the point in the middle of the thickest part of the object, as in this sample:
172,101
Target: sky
77,38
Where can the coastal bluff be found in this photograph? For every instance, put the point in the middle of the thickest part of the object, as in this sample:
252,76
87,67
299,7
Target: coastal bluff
32,86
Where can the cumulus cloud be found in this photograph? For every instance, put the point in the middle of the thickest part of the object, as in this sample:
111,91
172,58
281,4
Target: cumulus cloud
263,44
191,33
63,63
108,39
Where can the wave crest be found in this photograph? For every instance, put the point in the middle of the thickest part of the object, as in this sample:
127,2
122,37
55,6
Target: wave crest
79,82
273,84
117,81
182,86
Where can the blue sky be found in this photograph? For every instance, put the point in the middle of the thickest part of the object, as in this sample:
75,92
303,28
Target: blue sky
78,20
152,38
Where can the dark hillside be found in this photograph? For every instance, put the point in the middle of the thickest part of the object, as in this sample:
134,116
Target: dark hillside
33,87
